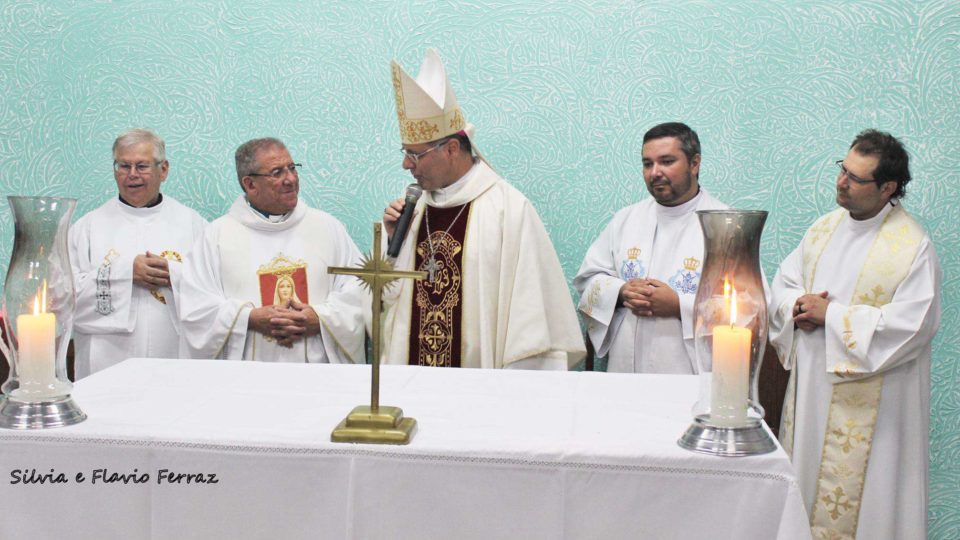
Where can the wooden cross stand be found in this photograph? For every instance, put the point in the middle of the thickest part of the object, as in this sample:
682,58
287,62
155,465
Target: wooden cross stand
375,424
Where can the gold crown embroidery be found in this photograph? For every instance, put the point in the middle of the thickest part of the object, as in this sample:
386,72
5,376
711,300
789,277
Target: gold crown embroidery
281,264
633,253
691,264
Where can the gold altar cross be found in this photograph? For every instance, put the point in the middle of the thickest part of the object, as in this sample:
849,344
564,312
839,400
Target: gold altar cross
375,424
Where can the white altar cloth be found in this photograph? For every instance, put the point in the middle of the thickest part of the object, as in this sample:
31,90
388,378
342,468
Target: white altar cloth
498,454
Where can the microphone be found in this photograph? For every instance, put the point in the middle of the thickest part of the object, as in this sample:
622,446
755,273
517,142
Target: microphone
403,224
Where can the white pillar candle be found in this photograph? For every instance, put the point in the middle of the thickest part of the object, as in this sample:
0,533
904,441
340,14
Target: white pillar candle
731,371
36,335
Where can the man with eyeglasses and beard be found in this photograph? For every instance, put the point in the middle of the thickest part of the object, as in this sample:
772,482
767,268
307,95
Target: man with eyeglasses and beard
639,279
854,310
495,295
127,257
268,240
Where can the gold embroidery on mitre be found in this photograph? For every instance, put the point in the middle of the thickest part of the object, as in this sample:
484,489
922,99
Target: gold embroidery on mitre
691,264
398,91
427,129
457,122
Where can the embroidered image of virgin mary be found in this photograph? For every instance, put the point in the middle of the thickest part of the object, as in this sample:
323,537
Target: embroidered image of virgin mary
283,280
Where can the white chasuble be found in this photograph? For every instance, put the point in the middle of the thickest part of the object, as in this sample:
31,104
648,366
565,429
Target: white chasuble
645,240
516,311
247,261
115,318
856,417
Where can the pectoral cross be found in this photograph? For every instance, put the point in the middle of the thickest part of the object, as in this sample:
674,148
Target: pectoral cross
432,268
376,424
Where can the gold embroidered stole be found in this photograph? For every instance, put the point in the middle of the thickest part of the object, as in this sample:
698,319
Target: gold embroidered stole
854,405
436,317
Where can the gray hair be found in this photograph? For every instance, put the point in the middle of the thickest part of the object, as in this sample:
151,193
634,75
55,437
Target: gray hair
136,136
246,156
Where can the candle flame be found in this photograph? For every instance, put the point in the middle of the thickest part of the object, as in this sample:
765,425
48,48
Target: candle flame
40,300
726,288
733,307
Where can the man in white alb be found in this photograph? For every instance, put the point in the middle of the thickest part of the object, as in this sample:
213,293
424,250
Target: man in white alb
258,288
495,296
854,310
126,258
639,279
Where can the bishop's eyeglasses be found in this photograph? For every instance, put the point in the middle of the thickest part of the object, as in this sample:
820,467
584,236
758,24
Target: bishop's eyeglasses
415,157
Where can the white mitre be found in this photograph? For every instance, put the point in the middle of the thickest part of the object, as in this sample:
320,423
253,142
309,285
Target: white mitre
427,109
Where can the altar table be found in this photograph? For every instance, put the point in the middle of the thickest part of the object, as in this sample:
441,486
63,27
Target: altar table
203,449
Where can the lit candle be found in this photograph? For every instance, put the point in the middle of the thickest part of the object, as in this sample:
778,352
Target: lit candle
731,368
36,335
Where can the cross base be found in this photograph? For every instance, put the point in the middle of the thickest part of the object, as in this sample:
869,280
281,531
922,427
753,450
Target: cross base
383,425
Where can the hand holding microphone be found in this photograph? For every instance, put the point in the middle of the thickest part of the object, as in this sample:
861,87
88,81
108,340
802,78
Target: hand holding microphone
397,218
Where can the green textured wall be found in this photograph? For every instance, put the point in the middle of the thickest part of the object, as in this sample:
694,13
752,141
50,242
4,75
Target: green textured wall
561,92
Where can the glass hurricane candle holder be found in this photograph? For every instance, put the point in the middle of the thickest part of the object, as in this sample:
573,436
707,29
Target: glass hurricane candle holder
38,310
730,334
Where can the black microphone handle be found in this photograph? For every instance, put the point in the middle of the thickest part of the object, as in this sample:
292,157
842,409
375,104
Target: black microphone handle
403,224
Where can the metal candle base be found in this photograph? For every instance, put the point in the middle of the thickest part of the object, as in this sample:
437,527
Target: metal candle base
385,425
706,438
60,412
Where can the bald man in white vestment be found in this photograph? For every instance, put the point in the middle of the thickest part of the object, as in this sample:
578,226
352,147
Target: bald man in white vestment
495,295
639,278
127,257
258,287
854,310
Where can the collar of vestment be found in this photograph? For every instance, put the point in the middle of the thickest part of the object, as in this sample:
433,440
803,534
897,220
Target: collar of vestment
247,216
156,202
138,212
863,225
470,186
680,210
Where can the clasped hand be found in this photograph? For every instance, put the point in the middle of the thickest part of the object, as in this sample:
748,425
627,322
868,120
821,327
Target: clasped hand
287,323
650,298
810,311
151,271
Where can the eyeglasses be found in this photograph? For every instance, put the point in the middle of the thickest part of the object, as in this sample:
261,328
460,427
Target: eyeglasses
280,172
852,177
141,168
415,157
